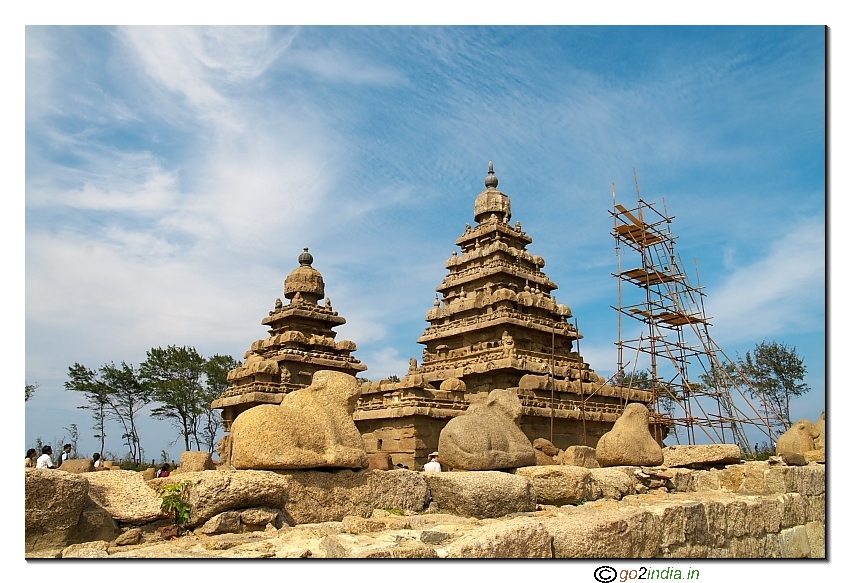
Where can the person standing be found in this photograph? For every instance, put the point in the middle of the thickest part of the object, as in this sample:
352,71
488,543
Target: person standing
66,454
433,464
29,461
44,461
98,463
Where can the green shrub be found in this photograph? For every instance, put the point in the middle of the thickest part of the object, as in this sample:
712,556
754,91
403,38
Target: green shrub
174,500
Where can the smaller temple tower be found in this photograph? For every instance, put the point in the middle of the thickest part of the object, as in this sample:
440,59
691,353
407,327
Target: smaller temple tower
301,342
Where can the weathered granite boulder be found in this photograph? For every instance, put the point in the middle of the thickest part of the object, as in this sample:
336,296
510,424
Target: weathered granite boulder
53,503
131,536
87,550
611,483
545,452
579,455
800,438
95,524
380,461
77,466
211,493
258,518
820,425
605,534
311,428
557,485
487,436
196,461
125,495
220,523
519,538
694,456
149,474
480,494
629,442
330,496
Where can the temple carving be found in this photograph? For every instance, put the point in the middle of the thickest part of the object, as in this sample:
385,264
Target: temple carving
496,326
301,342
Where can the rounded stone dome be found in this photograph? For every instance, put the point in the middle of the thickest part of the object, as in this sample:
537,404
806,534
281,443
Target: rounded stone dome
492,201
304,280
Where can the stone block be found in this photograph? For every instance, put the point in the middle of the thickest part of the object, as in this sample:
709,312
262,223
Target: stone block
53,503
772,513
754,475
816,533
125,495
794,543
578,455
608,534
480,494
815,507
705,480
681,479
132,536
792,510
520,538
77,466
736,519
732,477
609,483
694,456
196,461
557,485
811,480
89,550
221,523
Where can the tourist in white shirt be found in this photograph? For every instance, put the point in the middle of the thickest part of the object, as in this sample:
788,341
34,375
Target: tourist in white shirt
433,464
44,462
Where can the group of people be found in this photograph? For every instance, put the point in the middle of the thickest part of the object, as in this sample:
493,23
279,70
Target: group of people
45,460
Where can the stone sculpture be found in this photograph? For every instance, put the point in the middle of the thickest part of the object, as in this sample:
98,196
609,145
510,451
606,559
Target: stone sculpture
799,439
545,452
487,437
311,428
820,425
629,442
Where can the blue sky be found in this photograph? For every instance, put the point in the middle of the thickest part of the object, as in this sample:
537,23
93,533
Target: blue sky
174,174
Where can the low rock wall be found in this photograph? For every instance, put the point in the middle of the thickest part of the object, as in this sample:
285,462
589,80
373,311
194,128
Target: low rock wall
748,510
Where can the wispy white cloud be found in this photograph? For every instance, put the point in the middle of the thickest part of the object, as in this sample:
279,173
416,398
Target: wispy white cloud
781,292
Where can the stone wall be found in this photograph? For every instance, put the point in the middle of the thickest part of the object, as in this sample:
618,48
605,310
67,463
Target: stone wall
748,510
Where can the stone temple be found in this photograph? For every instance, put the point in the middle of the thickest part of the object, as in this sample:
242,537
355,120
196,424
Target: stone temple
497,326
301,342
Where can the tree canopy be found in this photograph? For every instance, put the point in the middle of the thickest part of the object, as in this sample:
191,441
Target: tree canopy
775,373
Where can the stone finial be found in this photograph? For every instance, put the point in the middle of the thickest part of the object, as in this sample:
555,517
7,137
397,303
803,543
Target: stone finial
491,181
305,258
436,301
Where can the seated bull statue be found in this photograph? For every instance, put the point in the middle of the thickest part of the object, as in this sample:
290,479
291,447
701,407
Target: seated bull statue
487,437
799,439
311,428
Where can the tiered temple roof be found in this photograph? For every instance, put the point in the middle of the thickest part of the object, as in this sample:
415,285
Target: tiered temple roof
497,326
301,341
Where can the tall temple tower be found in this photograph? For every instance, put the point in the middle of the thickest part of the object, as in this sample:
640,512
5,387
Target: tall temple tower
497,326
301,342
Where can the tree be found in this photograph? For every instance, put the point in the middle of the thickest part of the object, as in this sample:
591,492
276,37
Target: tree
776,374
127,396
174,376
216,369
86,381
29,390
74,438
